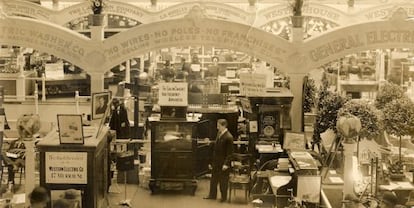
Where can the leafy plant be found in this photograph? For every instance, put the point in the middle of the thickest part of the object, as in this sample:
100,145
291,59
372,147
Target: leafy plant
310,95
370,117
297,7
399,117
97,6
387,93
328,106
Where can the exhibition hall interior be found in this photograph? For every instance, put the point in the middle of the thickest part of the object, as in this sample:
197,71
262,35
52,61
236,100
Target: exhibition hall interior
219,103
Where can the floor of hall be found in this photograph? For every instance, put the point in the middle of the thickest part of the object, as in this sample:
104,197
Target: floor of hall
140,196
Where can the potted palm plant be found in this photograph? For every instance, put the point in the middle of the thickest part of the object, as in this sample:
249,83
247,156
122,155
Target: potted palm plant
351,3
153,3
97,7
297,18
252,2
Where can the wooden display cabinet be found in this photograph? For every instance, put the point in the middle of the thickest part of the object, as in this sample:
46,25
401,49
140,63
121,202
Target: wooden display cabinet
79,167
173,155
268,115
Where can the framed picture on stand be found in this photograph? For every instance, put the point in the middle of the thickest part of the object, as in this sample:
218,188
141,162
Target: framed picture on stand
70,129
100,103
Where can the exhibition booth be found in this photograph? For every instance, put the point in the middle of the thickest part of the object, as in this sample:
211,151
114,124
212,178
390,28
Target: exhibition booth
152,81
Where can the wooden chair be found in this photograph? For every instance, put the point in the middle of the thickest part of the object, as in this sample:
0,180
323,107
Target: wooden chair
410,201
240,174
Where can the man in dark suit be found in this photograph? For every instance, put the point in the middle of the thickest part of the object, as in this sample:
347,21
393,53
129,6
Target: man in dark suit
119,120
222,151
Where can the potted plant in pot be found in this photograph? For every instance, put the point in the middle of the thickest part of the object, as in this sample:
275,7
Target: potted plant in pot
297,18
387,93
153,3
351,3
252,2
97,7
399,121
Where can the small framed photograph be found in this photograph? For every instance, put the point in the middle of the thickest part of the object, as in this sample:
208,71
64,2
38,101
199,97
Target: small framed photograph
70,129
100,104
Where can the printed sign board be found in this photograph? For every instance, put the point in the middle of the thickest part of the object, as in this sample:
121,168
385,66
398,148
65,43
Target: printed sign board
66,167
173,94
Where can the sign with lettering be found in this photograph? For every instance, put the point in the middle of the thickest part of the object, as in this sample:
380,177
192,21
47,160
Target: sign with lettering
173,94
252,84
335,45
45,37
188,31
54,70
66,167
25,8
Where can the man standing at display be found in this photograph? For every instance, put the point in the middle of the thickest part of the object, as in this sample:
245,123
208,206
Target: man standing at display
222,151
119,120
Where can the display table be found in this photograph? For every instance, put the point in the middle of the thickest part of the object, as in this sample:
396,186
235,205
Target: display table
12,86
401,188
78,167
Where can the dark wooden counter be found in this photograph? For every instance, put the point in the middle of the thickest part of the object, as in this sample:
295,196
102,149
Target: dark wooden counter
79,167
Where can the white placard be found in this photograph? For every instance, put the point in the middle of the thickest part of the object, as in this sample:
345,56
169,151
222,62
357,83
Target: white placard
195,67
66,167
253,126
173,94
54,70
231,73
252,84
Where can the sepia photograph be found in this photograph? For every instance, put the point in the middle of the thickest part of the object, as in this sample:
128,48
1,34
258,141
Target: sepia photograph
316,95
100,103
70,129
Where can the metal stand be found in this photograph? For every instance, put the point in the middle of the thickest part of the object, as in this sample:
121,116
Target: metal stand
125,202
114,188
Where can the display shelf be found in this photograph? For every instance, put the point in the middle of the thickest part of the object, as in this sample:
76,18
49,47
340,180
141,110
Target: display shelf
10,84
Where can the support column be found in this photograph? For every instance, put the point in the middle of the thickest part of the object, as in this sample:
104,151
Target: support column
21,80
380,66
29,171
349,149
97,33
127,92
97,81
296,87
297,34
97,77
20,88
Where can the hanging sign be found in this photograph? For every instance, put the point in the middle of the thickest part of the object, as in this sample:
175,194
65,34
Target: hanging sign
252,84
66,167
173,94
